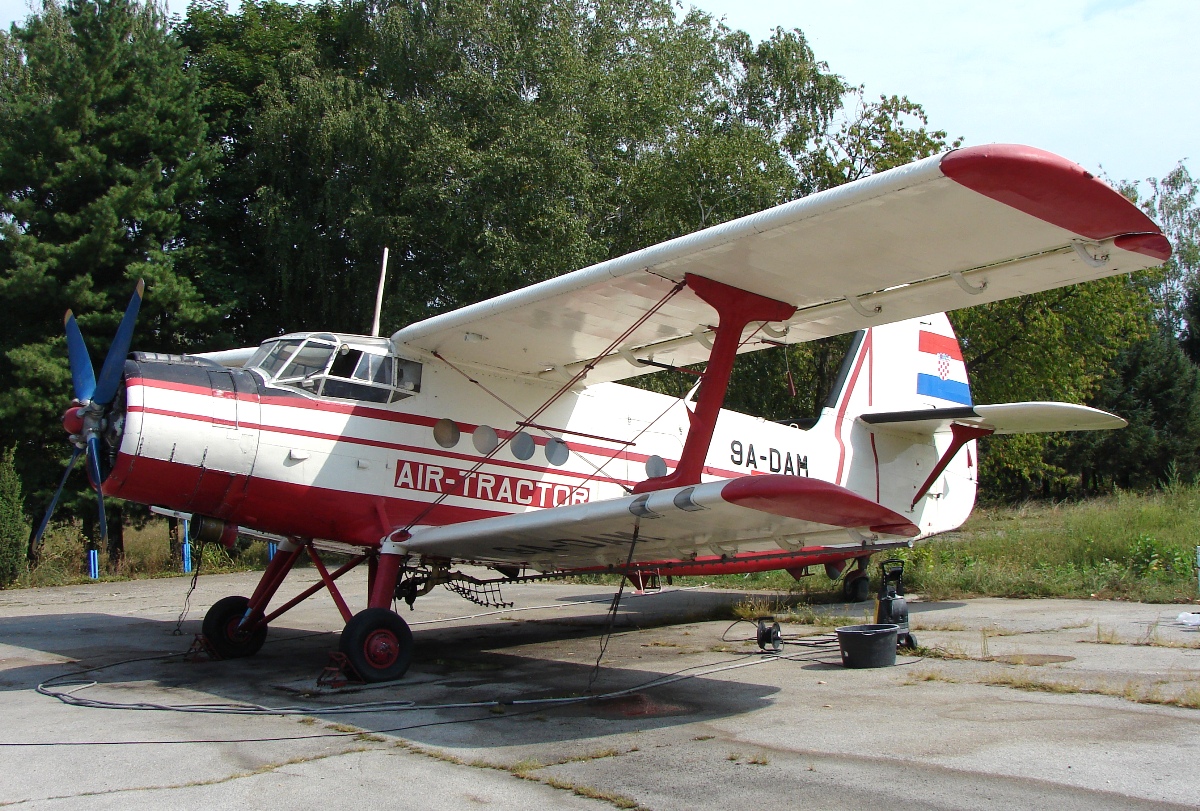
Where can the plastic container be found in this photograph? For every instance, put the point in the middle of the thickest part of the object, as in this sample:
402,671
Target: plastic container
868,645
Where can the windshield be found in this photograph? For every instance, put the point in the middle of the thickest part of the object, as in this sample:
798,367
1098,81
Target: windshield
310,359
271,356
327,367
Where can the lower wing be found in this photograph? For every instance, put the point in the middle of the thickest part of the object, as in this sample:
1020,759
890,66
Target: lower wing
748,514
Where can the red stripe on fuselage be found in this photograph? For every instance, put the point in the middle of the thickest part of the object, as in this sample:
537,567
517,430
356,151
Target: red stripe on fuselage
864,349
284,508
936,344
301,402
378,443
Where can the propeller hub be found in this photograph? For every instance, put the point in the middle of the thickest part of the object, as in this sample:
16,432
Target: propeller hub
72,420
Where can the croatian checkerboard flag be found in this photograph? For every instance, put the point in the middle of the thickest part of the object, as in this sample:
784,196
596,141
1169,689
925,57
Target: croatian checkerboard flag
941,372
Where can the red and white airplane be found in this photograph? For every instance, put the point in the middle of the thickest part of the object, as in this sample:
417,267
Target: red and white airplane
498,434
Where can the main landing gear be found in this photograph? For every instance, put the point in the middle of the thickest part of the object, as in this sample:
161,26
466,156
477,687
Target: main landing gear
226,634
376,641
378,644
856,587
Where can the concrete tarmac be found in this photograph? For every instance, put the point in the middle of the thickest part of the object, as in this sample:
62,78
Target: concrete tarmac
1066,704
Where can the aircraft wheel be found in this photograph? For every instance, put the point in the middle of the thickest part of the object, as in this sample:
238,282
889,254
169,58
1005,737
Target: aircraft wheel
378,644
220,628
856,590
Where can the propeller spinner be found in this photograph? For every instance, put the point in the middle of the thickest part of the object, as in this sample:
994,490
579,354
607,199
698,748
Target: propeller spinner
88,417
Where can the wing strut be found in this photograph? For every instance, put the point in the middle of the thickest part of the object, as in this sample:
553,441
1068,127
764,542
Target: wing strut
736,308
961,434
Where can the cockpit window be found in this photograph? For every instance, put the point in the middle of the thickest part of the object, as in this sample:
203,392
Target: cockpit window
327,367
310,360
271,356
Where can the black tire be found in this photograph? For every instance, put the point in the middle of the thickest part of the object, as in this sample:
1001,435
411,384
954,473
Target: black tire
220,629
856,589
908,641
378,644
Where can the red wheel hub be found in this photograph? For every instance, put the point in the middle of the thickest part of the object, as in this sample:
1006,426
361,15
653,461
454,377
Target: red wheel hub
235,634
381,648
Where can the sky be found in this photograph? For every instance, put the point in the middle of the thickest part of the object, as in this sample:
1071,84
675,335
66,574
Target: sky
1110,84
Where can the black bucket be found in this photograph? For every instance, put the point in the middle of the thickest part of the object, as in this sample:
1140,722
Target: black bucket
868,645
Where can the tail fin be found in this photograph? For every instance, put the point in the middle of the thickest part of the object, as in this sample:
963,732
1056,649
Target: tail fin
913,365
902,410
905,366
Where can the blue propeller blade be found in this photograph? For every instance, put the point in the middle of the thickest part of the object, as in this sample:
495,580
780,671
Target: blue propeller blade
41,530
114,362
81,362
93,458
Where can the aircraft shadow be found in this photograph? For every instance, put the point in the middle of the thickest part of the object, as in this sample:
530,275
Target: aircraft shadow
514,660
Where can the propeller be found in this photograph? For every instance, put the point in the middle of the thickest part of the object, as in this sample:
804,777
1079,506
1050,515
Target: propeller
87,418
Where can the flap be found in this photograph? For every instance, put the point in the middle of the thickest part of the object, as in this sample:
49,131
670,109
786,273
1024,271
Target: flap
752,513
1003,418
967,227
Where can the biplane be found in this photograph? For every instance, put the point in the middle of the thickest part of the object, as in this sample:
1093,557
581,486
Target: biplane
500,435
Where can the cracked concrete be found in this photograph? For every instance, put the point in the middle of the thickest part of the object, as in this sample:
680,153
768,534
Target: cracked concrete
745,732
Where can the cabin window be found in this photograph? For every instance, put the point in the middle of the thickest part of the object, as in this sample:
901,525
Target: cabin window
358,375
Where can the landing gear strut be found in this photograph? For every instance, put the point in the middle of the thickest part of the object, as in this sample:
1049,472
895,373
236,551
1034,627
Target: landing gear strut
376,641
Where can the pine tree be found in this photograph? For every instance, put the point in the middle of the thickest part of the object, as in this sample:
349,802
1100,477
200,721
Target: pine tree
102,160
14,532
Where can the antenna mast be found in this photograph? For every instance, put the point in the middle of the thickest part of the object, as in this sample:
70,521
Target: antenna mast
379,295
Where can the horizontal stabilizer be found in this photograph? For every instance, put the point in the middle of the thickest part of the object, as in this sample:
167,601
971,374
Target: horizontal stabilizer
752,513
1002,418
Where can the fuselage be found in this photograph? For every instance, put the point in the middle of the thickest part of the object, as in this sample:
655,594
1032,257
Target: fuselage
297,460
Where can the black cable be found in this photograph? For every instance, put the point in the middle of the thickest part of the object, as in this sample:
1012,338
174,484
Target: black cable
612,609
187,598
677,675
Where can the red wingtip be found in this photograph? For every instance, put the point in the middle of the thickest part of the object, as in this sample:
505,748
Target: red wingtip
1154,245
1048,187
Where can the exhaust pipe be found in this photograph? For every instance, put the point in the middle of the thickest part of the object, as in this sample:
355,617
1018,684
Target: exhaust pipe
202,529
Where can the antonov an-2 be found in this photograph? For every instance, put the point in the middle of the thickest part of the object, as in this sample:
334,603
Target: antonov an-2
499,434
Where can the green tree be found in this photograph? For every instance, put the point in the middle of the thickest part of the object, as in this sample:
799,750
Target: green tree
14,531
1154,386
1174,205
1056,345
102,158
491,145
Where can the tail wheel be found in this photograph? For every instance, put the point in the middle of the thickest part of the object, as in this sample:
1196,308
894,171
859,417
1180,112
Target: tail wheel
223,634
378,643
856,589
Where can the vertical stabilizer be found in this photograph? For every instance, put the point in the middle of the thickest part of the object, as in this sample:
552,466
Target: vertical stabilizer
910,365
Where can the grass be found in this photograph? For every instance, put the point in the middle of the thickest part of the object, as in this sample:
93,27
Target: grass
1130,546
1127,547
63,558
525,770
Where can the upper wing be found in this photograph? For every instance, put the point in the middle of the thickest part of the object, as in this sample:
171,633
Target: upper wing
970,226
233,358
751,513
1002,418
